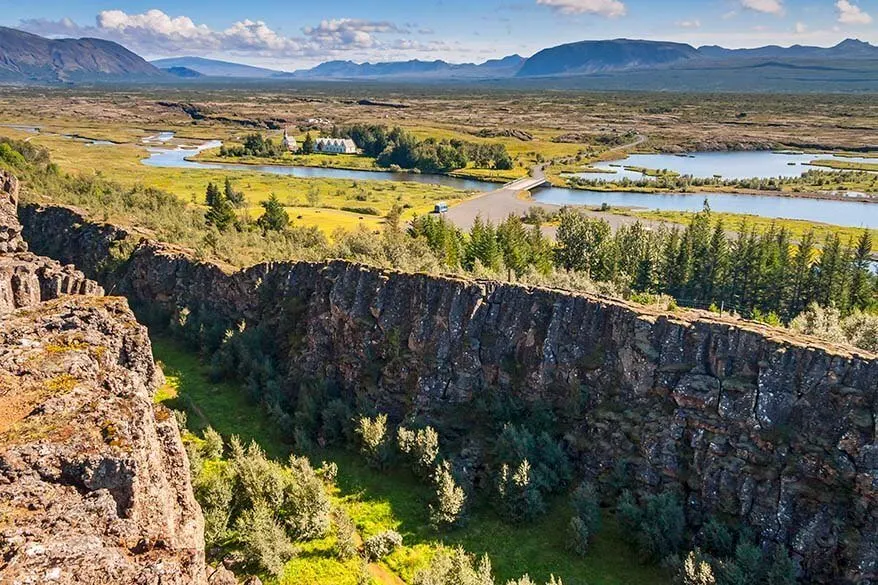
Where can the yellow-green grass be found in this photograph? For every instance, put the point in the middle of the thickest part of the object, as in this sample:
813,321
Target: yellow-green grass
520,150
394,499
846,165
334,161
732,221
491,175
122,163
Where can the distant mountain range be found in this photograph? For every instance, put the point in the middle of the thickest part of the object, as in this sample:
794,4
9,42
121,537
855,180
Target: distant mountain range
214,68
851,65
33,59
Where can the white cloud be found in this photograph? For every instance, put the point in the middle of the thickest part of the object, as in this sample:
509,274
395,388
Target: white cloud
157,34
608,8
849,13
346,32
689,23
801,28
766,6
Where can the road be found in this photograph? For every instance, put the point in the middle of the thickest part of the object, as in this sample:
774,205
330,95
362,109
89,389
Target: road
496,206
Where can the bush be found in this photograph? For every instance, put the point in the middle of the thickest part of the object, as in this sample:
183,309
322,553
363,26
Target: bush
587,507
656,527
519,497
579,536
213,444
456,567
215,492
345,536
696,571
260,481
421,447
381,545
373,439
450,499
306,505
716,539
263,540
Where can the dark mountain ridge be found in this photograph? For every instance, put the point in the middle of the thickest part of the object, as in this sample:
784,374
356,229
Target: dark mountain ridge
25,57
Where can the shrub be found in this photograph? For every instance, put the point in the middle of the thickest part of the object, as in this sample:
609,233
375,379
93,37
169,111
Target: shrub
379,546
196,463
373,439
587,507
213,444
214,492
345,536
421,447
450,499
306,505
656,527
696,571
519,497
263,540
579,536
456,567
260,481
716,539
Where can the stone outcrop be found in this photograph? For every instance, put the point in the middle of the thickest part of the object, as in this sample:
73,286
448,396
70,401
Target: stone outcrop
27,279
749,424
94,480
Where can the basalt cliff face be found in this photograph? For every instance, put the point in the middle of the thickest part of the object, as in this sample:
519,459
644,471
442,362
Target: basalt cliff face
94,480
772,432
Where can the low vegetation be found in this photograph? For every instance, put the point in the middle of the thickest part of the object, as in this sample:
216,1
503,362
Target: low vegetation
764,274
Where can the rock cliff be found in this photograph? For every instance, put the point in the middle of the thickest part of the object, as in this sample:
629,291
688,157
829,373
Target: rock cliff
27,279
94,480
753,426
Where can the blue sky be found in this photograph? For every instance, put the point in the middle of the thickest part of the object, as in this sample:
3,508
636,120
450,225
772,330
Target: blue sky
289,34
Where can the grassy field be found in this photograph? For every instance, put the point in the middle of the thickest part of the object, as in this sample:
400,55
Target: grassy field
396,500
122,163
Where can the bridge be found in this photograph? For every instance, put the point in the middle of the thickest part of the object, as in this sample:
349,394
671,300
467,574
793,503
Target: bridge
527,183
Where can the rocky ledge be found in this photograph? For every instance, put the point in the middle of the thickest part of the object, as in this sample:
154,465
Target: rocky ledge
27,279
94,480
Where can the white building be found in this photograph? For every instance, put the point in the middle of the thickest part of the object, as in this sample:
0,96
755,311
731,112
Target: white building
290,142
335,146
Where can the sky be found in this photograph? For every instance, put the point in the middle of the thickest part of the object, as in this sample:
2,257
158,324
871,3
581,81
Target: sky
294,34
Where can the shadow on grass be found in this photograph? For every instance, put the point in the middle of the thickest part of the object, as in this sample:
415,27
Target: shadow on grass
395,499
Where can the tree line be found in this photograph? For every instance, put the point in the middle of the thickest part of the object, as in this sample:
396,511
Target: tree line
398,147
758,273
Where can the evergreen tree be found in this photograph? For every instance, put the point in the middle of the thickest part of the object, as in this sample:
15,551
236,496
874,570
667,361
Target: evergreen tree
482,246
274,216
308,144
236,198
212,196
861,289
220,214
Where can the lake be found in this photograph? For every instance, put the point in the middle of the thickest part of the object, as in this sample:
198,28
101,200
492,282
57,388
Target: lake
728,165
846,213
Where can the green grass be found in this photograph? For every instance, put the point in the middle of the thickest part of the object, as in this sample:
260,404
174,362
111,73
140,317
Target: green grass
394,499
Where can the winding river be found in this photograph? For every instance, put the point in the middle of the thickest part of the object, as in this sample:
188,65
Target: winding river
838,212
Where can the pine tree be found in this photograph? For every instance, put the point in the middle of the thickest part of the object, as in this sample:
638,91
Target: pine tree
308,144
236,198
220,214
861,289
274,217
212,196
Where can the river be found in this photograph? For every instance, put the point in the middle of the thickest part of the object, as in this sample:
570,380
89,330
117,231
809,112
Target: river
845,213
727,165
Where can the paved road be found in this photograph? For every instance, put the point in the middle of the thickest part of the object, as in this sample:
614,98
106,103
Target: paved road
497,205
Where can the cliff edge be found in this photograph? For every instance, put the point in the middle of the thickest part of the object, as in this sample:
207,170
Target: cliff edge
94,480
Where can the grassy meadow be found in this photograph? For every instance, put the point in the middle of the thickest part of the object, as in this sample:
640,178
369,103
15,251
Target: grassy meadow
396,500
